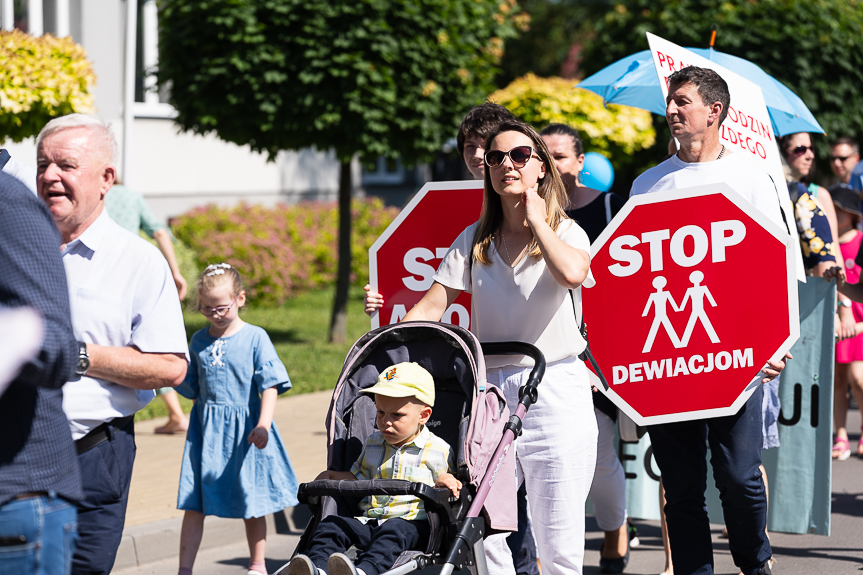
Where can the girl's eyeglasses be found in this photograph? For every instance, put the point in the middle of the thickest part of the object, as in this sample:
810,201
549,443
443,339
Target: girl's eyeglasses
800,150
220,311
520,155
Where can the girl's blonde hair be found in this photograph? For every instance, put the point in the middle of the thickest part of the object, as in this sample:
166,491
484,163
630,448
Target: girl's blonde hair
550,188
216,275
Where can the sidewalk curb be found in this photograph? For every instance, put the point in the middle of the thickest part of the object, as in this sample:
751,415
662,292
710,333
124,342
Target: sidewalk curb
143,544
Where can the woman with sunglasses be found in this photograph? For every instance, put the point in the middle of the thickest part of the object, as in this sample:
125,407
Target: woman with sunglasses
799,156
524,263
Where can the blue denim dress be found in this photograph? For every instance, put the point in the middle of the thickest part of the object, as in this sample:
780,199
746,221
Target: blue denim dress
222,473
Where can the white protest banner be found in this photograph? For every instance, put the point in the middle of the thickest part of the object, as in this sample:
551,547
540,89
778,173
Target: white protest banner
746,130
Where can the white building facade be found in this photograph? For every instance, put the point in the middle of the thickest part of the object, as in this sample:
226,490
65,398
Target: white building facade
175,171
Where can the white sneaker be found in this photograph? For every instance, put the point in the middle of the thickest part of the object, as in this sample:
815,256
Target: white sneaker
340,564
301,565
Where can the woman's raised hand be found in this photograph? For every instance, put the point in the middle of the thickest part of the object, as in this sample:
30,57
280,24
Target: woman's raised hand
534,206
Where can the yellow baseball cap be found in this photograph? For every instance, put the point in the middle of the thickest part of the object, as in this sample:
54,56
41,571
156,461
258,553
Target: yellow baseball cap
405,379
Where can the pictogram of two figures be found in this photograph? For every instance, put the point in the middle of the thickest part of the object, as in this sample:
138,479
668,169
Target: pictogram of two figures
660,299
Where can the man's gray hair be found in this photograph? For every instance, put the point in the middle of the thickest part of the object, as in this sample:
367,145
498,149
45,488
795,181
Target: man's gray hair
100,128
711,87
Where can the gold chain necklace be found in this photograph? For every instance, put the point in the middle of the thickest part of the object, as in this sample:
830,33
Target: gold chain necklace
506,249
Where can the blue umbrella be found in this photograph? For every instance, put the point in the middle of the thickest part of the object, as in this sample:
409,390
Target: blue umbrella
632,81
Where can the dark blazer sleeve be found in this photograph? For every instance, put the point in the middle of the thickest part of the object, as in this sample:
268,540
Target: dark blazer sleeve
33,275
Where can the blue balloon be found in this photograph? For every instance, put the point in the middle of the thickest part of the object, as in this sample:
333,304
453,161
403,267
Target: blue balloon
597,172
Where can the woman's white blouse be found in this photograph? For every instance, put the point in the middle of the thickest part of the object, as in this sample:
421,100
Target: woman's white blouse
523,303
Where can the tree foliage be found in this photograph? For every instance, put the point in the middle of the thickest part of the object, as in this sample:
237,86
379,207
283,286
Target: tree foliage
614,131
41,78
815,47
558,32
364,78
369,77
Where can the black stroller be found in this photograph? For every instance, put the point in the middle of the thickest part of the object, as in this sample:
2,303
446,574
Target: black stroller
469,414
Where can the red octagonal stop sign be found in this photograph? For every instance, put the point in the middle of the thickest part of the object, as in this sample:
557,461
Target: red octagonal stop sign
403,260
695,292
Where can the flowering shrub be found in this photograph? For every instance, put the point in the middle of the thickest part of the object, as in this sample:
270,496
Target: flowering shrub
40,79
283,250
614,131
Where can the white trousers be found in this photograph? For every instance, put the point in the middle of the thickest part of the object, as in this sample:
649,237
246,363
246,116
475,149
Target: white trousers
608,492
556,455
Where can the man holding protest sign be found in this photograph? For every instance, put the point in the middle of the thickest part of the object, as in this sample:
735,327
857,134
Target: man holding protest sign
697,103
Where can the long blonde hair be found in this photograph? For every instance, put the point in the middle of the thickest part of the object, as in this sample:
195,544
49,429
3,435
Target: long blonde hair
550,188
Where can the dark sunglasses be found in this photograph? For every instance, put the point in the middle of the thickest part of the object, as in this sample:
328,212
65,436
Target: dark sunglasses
800,150
520,155
840,158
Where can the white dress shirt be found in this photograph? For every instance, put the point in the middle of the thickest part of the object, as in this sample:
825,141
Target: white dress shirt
121,294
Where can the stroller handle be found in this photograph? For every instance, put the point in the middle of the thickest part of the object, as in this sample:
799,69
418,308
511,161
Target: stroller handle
362,488
521,348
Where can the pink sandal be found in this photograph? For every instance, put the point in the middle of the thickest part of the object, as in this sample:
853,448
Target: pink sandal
860,445
841,449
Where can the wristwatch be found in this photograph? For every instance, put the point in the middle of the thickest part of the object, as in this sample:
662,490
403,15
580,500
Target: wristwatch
844,303
83,363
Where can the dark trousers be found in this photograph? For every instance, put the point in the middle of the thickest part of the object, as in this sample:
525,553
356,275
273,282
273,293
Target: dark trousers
735,453
380,544
106,471
521,543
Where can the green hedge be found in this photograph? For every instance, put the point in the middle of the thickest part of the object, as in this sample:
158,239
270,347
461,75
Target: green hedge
283,250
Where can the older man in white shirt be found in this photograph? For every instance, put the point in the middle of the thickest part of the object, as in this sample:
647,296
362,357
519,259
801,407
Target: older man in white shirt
125,315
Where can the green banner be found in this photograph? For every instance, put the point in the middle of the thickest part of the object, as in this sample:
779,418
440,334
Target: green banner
799,471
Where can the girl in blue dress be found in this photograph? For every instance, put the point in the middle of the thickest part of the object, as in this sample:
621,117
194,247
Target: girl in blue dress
234,464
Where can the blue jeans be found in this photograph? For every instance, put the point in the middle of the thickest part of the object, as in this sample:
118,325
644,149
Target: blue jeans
735,454
47,529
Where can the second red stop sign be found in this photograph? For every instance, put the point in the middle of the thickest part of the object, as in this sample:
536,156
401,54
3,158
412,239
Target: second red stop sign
695,292
403,260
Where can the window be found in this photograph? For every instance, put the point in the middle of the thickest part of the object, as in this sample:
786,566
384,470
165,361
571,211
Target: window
384,171
149,102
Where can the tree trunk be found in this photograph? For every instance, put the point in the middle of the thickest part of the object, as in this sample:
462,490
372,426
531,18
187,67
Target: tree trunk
339,320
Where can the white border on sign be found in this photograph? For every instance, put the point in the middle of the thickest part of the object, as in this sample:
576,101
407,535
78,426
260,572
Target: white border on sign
754,95
790,279
418,197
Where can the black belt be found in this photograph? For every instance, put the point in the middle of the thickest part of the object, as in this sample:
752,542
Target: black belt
101,433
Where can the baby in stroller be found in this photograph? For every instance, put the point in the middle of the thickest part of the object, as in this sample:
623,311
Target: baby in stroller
401,448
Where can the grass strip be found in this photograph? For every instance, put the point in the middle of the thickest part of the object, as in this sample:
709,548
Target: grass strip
298,329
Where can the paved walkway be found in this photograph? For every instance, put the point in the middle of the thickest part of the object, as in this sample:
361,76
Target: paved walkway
151,538
152,531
